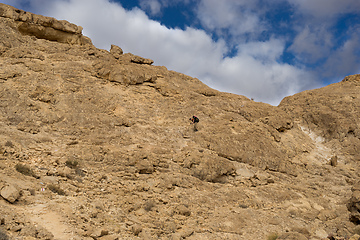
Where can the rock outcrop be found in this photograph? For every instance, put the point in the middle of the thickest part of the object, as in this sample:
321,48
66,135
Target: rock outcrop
106,138
354,204
332,113
43,27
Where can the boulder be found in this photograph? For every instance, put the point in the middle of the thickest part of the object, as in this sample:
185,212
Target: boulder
116,51
10,193
141,60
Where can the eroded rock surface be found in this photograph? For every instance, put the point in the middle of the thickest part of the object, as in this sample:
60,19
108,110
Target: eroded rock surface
112,154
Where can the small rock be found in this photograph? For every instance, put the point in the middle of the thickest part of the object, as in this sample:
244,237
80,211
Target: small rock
10,193
327,215
29,230
182,234
50,179
145,167
333,161
64,172
29,238
183,210
356,187
104,232
176,236
304,231
270,180
145,234
116,51
44,234
185,233
109,237
141,60
2,165
355,237
321,233
99,233
136,229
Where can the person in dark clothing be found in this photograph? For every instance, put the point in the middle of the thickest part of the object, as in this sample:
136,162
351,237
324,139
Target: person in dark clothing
194,120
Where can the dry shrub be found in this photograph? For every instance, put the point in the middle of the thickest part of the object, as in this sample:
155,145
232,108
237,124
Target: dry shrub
56,189
26,170
9,144
3,235
149,205
72,163
273,236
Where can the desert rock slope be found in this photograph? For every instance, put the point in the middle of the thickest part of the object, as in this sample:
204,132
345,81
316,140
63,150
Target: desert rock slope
97,144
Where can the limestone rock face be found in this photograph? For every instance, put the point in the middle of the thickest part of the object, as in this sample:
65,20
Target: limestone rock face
108,137
331,112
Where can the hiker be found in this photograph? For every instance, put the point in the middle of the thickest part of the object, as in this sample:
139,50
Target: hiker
194,120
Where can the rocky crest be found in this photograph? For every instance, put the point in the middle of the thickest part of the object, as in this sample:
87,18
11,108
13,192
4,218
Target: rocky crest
98,145
43,27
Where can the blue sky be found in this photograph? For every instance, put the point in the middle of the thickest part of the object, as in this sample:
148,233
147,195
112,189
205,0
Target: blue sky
263,49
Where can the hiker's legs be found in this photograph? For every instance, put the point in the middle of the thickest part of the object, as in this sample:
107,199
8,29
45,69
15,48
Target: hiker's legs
195,127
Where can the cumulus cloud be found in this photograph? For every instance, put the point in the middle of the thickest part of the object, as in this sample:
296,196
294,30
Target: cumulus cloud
346,58
155,7
238,17
152,6
317,41
312,43
326,8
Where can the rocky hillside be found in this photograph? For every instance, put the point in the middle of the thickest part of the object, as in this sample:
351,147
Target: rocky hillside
98,145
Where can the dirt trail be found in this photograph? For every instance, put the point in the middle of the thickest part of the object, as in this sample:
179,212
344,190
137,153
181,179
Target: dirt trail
43,215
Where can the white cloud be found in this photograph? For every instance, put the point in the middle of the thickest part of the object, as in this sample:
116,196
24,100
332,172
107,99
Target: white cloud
236,16
154,6
312,43
326,8
266,52
316,41
346,58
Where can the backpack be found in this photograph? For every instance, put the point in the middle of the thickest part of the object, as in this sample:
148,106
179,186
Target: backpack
196,119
